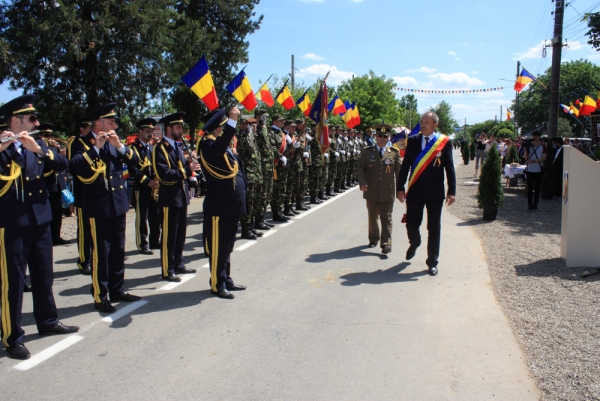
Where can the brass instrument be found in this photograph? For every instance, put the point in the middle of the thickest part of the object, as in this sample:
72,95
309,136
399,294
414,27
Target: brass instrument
155,192
16,137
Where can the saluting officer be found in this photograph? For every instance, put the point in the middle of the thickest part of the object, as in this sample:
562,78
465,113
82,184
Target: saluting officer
105,203
25,238
79,144
144,183
225,199
378,170
172,173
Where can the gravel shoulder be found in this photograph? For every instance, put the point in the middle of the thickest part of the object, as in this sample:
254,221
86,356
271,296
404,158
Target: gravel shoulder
554,312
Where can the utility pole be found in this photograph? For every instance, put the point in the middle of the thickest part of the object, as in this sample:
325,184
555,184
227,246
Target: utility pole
500,113
516,112
559,12
292,71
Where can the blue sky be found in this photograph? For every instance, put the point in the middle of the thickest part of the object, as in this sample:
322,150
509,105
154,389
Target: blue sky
427,44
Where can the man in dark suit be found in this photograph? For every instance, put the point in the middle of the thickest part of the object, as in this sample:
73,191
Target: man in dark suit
225,199
144,183
427,156
79,144
25,238
172,173
105,203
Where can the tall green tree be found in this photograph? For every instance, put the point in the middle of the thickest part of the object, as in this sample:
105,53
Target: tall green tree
447,121
593,21
410,105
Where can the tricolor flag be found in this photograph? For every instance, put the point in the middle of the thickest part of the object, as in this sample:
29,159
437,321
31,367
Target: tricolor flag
264,94
304,103
574,109
565,108
284,98
348,117
200,81
523,79
318,113
588,106
336,106
240,89
356,114
508,114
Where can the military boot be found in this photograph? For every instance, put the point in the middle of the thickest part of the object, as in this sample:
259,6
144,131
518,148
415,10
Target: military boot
330,192
287,211
278,216
293,211
259,223
246,233
266,223
257,233
300,206
321,196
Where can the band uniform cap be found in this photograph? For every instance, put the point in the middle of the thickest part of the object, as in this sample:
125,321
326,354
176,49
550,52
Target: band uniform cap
3,124
106,111
208,116
85,120
46,128
146,123
353,130
20,105
217,119
383,128
175,118
345,132
278,117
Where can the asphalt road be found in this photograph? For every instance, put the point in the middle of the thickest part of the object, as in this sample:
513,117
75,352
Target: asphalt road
324,317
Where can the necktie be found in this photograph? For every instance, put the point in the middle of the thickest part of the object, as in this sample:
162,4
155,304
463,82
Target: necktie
381,153
24,153
426,141
106,147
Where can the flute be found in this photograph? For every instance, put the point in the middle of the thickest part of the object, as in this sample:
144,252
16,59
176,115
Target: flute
15,137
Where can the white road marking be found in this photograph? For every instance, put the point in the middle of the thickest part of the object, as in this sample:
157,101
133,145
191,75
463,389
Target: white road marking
269,233
170,286
245,246
124,311
328,202
206,265
285,224
49,352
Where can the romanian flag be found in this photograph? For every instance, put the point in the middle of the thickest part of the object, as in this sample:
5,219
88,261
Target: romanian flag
356,114
125,171
304,103
565,108
508,114
588,106
574,109
240,89
284,98
336,106
264,94
318,113
348,117
523,79
200,81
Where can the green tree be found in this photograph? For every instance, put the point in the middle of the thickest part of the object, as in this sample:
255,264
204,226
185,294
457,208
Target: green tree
410,105
481,128
444,112
564,127
593,21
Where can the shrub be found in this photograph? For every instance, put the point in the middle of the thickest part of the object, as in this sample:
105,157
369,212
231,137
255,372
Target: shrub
491,193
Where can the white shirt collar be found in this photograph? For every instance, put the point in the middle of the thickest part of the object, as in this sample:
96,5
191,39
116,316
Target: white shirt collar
142,142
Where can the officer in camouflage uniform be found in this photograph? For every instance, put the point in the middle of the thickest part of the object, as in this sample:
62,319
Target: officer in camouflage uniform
357,150
279,144
294,167
249,153
317,163
301,133
334,157
263,141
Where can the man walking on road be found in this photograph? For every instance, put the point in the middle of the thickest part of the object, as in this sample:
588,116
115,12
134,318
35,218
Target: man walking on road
427,156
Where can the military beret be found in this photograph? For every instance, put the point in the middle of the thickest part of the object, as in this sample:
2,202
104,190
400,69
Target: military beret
175,118
46,128
146,123
217,119
20,105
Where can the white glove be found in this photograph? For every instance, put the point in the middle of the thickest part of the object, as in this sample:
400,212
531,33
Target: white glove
366,144
339,141
305,154
326,155
345,138
288,138
336,154
283,160
308,137
296,144
343,152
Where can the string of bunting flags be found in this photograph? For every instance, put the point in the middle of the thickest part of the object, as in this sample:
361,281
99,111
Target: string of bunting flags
448,92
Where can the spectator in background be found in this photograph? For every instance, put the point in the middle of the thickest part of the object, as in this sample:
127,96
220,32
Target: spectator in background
504,145
479,151
535,155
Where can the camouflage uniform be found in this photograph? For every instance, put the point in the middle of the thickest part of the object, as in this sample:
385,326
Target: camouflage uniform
263,140
249,152
280,175
317,163
334,157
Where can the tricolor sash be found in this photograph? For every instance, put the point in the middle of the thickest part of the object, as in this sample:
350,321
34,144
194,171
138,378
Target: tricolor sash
427,155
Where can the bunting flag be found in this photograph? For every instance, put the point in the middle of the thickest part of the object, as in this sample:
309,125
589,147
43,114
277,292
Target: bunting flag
336,106
574,109
240,89
200,81
523,79
284,98
264,94
565,108
508,114
304,103
588,106
449,91
318,113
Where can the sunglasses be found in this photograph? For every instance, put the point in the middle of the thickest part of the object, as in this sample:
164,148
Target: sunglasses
382,135
33,118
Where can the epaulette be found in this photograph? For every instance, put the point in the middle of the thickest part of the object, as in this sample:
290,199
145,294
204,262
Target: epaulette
369,147
71,139
394,149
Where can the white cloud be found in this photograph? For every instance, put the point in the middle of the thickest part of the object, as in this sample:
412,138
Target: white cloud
533,52
575,45
406,81
456,77
312,56
452,53
474,72
425,70
317,71
594,56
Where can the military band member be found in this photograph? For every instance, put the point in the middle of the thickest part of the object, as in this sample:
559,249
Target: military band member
25,237
225,199
378,170
105,203
79,144
172,173
144,185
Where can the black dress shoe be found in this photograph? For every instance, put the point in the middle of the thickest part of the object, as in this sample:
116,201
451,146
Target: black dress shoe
125,297
236,287
224,294
386,249
59,328
172,277
155,246
105,307
18,351
26,287
372,244
86,271
60,241
433,271
146,252
410,253
184,270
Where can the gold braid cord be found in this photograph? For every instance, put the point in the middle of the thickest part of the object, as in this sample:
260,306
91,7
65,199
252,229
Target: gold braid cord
15,172
160,180
99,169
233,170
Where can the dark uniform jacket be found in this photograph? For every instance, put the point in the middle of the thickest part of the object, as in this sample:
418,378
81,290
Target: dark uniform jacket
223,195
144,171
103,192
24,200
77,145
172,171
379,174
430,185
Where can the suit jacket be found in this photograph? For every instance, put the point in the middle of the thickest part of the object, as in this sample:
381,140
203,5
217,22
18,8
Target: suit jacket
104,194
430,185
224,196
55,181
379,173
78,145
144,171
172,171
24,200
